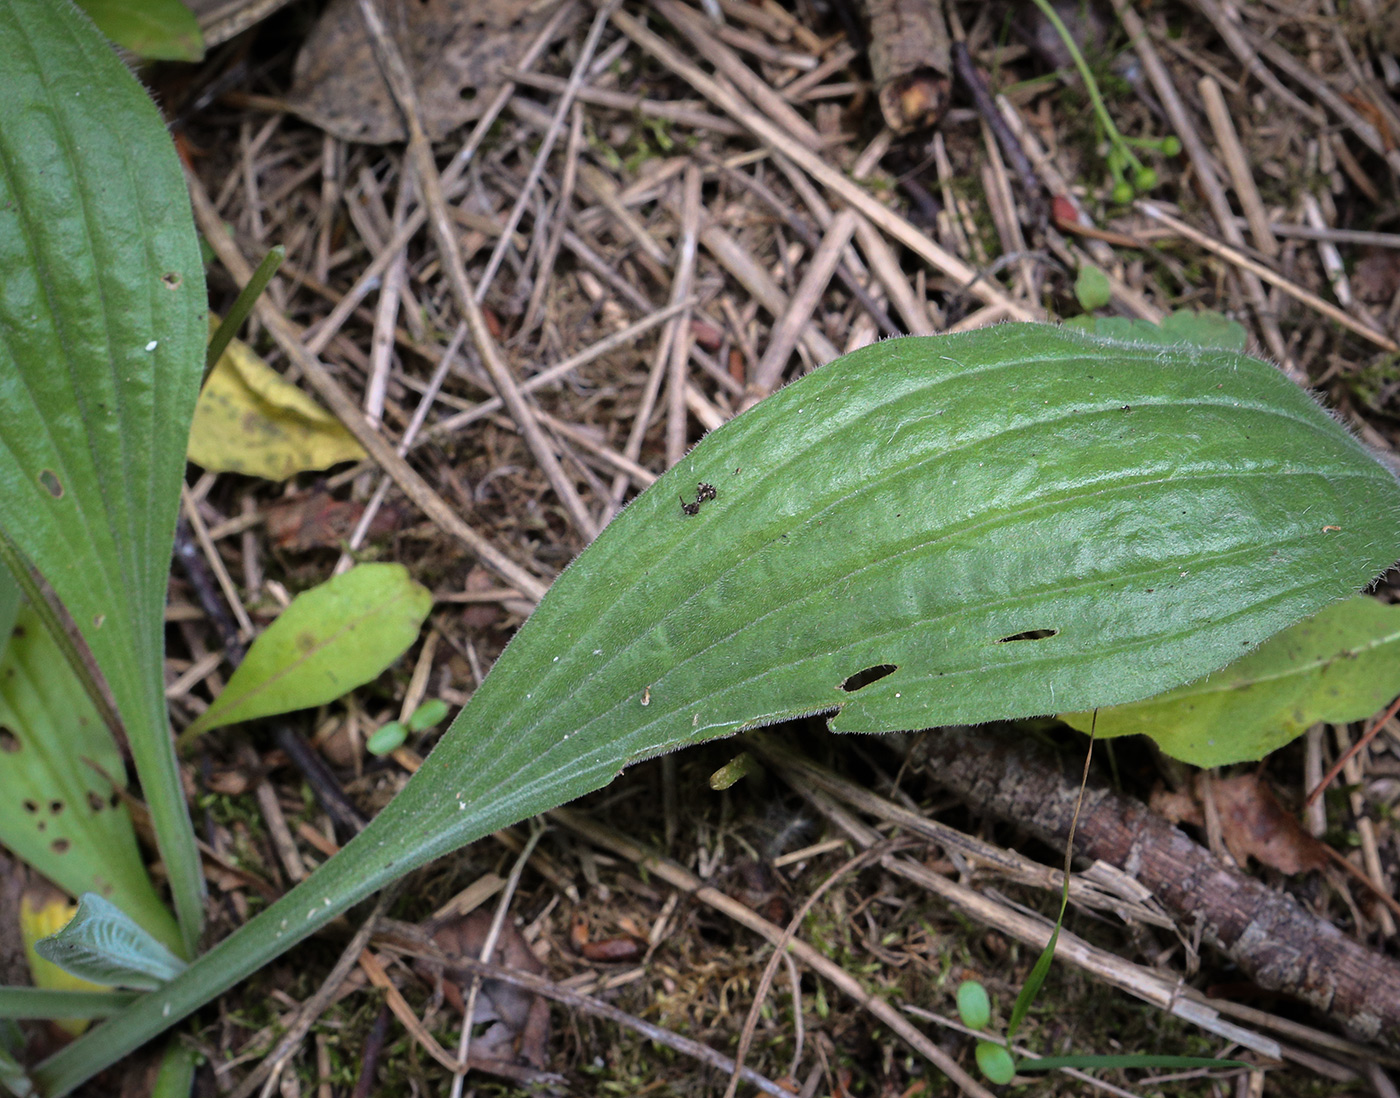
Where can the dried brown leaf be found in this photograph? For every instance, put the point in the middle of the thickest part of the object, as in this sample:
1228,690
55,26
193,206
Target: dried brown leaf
455,50
1254,824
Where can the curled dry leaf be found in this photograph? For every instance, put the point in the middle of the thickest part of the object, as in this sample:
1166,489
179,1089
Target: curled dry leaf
619,949
909,56
523,1018
455,51
1252,823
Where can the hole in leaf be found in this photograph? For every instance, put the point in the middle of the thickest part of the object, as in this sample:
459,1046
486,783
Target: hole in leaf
60,846
171,280
55,807
861,679
31,806
9,742
49,479
95,801
1029,635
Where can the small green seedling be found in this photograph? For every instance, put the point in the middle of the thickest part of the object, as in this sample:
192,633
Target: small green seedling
975,1009
386,738
1130,175
390,737
1092,288
994,1058
430,713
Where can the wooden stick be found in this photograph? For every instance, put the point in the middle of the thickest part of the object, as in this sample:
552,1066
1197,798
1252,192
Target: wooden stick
1276,942
1237,164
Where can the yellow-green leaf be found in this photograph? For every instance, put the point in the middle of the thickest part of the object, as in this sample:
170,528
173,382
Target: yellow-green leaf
1341,665
330,640
249,420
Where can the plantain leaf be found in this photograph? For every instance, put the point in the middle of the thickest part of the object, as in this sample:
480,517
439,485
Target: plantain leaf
1015,521
331,639
1341,665
102,944
59,812
102,328
44,910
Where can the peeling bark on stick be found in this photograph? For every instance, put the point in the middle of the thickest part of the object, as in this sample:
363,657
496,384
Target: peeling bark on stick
909,58
1274,940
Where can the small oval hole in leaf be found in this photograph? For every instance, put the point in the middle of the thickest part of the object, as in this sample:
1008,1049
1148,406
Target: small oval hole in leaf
31,806
49,479
95,801
9,742
1029,635
60,846
171,280
861,679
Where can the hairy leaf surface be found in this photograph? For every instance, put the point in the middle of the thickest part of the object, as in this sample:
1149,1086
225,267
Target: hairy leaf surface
159,30
104,945
102,333
1016,521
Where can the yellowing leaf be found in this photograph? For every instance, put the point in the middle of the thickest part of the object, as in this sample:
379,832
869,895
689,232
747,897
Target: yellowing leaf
331,639
248,420
44,910
1341,665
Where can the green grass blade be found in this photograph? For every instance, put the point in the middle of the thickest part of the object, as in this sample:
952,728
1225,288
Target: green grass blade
102,332
247,298
37,1002
176,1076
1019,521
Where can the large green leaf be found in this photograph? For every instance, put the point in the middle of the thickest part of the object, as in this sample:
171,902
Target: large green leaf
330,640
1019,520
102,328
1341,665
59,812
